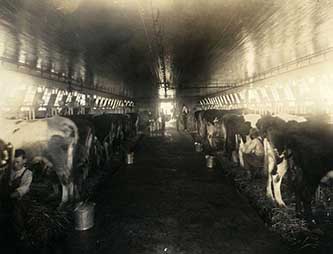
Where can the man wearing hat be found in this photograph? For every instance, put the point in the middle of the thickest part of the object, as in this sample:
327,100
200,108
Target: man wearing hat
253,152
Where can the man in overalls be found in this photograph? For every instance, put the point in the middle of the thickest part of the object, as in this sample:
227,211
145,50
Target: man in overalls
15,185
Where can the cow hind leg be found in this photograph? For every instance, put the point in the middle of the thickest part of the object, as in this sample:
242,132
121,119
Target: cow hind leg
240,154
71,190
298,206
269,191
235,158
268,164
106,149
277,180
277,192
210,141
65,194
62,154
55,188
308,210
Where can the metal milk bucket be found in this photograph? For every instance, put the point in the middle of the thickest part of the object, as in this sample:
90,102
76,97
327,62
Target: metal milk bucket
198,147
84,216
209,161
130,158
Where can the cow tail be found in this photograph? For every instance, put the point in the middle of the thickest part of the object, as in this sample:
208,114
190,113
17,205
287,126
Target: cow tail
266,156
74,133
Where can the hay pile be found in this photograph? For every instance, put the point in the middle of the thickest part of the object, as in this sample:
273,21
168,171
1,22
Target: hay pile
283,221
46,223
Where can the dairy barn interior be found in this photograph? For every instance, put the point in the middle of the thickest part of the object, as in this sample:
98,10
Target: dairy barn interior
166,126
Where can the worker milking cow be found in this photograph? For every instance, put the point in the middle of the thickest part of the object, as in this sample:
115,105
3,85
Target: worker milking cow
52,141
15,181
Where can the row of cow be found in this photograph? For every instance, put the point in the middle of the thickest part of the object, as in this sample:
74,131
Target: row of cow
300,146
70,146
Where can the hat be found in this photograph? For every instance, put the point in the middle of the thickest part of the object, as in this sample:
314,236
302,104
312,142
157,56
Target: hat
254,132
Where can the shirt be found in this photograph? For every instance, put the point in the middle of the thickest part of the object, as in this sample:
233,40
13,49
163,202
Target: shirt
254,146
25,181
185,110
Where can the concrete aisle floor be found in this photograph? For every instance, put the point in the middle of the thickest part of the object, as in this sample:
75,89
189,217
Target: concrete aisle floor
169,202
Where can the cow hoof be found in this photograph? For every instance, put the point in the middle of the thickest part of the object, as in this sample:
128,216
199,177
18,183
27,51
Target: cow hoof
317,231
299,215
282,205
62,205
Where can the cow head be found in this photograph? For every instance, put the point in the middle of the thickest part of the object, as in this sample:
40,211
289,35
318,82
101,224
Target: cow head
274,130
243,129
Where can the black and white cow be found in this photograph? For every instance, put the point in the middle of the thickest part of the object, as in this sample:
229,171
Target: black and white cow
231,126
276,161
212,119
235,129
303,147
200,125
134,123
312,154
110,131
52,140
209,124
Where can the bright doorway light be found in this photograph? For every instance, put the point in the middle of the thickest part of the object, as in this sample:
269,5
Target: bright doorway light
167,108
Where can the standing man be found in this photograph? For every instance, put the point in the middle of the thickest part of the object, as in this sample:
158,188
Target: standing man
185,112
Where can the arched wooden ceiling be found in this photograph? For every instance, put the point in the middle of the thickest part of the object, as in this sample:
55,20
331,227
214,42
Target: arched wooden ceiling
117,42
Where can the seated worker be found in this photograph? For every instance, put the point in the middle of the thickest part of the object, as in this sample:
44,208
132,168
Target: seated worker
15,186
253,152
20,176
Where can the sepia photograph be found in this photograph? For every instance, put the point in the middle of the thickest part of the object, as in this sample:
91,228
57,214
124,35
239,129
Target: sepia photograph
166,126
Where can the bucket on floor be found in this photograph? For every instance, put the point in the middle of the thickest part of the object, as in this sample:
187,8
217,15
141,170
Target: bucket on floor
130,158
84,214
209,161
198,147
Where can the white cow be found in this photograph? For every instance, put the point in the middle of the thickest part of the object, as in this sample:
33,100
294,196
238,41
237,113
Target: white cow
252,119
211,130
52,140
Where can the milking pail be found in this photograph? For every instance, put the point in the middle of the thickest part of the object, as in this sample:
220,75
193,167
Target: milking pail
130,158
84,214
210,161
198,147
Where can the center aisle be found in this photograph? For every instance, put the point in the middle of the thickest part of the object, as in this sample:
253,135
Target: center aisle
169,202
